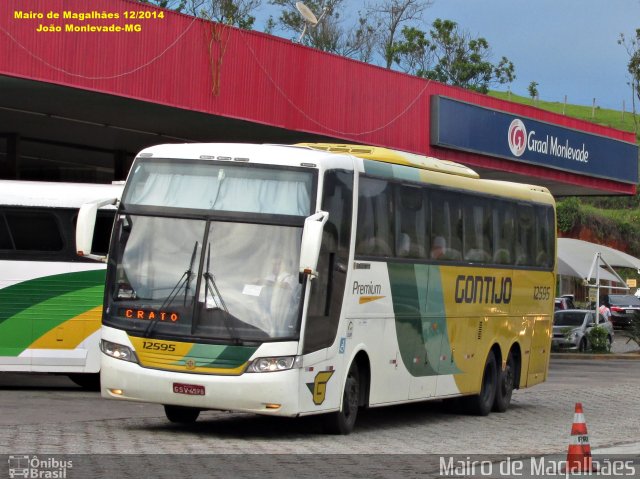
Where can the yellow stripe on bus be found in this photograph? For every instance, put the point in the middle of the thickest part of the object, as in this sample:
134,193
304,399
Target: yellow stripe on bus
71,333
368,299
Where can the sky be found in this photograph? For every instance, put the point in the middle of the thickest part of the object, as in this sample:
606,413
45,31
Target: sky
569,47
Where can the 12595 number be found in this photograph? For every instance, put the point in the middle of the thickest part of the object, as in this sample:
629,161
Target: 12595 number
541,293
158,346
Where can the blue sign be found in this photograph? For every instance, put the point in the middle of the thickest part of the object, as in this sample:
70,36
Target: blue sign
462,126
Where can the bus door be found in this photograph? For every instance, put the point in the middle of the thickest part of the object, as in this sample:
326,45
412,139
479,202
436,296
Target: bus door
371,321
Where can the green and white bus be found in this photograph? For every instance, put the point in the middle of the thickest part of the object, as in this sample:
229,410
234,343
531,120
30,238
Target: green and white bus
50,298
319,279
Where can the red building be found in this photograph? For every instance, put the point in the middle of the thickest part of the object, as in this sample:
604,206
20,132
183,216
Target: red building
85,85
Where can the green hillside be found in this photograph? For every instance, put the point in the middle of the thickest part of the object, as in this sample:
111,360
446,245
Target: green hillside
602,116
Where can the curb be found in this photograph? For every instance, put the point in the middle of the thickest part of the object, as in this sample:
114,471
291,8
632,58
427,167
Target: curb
580,356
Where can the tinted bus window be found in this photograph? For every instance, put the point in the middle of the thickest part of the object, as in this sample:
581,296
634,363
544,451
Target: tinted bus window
374,234
411,222
525,237
504,232
545,250
5,238
102,232
477,230
446,226
34,231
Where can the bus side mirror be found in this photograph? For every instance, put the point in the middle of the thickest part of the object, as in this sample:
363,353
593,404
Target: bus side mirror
311,242
85,227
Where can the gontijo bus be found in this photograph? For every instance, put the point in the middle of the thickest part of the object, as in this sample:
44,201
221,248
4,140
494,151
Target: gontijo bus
51,299
318,279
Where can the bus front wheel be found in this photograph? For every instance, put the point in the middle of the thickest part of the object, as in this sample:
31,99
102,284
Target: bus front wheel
481,404
343,421
181,415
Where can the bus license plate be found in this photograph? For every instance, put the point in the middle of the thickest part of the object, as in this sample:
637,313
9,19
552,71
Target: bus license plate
190,389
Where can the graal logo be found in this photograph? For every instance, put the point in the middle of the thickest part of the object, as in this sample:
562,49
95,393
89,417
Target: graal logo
34,467
517,137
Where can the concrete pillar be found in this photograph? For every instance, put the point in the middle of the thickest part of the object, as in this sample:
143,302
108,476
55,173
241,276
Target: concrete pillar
121,165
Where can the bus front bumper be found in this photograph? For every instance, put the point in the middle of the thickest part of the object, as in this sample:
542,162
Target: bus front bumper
272,393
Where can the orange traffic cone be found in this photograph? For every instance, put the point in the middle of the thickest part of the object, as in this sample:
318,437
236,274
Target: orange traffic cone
579,453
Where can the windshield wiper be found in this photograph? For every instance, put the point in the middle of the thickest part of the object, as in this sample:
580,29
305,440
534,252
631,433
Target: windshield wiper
184,281
211,288
189,273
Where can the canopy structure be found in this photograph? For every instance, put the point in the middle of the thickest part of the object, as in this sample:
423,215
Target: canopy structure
575,258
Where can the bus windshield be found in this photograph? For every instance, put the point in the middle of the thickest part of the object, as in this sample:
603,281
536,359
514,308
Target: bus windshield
226,269
209,279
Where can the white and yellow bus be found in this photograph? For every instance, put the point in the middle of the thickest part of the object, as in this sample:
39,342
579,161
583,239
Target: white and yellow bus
319,279
50,299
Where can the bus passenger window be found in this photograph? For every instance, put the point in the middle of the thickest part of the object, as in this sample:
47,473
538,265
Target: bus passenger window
477,228
33,231
446,224
410,222
503,232
374,232
544,237
102,232
5,237
525,237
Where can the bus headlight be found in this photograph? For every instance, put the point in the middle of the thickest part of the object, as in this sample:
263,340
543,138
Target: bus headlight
268,365
118,351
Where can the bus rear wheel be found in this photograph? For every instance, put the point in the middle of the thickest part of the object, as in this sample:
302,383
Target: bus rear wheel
343,421
481,404
181,414
506,384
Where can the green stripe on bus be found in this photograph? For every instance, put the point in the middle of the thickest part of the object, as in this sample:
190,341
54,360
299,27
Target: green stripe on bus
389,170
421,325
19,297
219,356
30,322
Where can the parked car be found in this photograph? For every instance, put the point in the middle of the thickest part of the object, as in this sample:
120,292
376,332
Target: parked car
563,302
623,308
570,328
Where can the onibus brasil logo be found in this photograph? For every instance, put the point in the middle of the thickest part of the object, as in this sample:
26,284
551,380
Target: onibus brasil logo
521,140
35,467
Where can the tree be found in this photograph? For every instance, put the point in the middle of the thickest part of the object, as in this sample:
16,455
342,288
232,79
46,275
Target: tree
632,46
414,54
236,13
228,12
533,90
451,55
390,16
330,34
